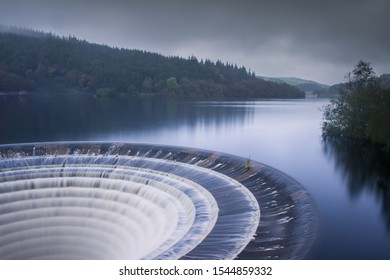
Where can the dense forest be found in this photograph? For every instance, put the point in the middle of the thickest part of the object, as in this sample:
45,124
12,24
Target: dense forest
40,62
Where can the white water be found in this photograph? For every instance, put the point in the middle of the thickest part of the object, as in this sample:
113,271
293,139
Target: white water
119,207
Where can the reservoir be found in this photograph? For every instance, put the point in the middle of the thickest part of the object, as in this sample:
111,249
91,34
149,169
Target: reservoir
354,212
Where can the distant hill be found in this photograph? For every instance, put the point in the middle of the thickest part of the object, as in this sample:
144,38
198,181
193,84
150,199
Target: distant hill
317,89
334,90
36,61
291,81
304,85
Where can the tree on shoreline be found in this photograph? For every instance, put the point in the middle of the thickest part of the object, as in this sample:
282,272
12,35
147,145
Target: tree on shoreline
362,110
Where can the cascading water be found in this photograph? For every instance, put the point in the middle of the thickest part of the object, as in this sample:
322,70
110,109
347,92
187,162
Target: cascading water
134,201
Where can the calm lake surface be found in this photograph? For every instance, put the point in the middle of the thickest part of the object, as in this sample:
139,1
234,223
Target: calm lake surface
285,134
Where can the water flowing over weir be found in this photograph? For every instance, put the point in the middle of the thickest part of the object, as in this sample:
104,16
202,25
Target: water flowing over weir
82,200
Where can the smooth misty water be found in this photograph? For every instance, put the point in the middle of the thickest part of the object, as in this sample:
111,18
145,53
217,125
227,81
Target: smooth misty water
354,211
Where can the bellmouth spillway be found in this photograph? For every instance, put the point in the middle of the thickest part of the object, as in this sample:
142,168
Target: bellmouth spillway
88,200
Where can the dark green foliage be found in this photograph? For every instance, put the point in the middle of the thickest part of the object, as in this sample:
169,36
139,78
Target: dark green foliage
362,110
40,61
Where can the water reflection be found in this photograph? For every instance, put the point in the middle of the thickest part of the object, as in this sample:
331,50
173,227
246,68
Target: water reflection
364,168
88,118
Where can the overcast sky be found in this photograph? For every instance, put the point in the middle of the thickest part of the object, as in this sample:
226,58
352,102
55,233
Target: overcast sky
311,39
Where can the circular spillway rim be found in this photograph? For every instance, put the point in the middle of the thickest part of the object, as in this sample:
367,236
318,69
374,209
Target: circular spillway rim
262,180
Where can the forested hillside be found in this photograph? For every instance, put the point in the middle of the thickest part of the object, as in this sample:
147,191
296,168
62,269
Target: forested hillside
36,62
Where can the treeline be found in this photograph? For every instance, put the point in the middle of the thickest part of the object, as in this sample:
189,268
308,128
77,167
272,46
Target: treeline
36,61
